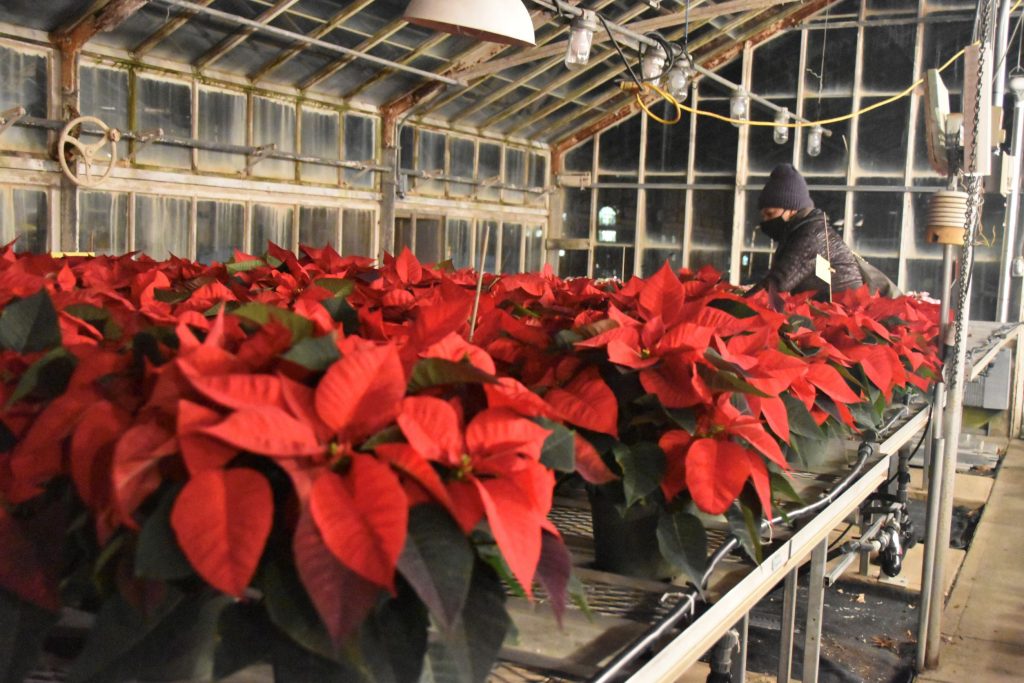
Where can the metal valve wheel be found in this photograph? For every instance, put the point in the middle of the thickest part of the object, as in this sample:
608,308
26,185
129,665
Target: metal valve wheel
87,153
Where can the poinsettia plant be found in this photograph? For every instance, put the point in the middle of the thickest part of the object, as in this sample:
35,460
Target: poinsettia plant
314,461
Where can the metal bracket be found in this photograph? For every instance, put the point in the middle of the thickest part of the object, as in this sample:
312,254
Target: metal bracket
10,117
493,180
363,167
144,140
259,154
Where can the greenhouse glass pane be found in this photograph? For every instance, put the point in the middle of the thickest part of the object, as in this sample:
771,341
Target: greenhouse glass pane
460,247
318,226
220,229
463,161
320,138
360,145
488,167
613,262
576,212
717,259
534,249
717,141
537,177
754,266
103,222
616,214
164,105
620,147
403,235
654,260
221,119
573,262
511,245
274,123
666,216
357,232
712,218
668,147
877,223
103,93
429,240
515,174
580,158
490,229
23,83
161,226
430,158
24,217
271,224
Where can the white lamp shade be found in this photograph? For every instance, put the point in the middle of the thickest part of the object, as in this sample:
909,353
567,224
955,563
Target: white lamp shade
499,21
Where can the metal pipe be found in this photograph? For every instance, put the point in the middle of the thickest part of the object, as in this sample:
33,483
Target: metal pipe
306,40
563,7
1002,43
1012,214
951,434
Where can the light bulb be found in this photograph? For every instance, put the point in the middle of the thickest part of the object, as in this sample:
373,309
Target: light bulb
781,135
814,141
652,66
1016,82
581,39
678,79
738,105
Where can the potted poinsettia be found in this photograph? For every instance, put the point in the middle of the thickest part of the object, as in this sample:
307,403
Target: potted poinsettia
214,463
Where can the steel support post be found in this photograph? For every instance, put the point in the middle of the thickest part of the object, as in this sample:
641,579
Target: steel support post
740,670
1012,215
788,628
815,612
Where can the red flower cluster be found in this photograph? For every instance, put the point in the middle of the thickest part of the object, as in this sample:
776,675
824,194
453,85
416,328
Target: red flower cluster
366,389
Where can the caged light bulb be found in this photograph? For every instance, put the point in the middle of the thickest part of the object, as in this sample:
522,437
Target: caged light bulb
781,133
678,79
652,65
814,141
739,105
581,39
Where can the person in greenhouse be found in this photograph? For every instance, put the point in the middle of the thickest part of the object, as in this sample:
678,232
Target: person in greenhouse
810,255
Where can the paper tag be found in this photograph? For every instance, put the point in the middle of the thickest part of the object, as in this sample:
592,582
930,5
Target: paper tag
822,269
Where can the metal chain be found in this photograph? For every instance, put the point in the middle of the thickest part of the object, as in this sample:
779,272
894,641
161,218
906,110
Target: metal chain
975,201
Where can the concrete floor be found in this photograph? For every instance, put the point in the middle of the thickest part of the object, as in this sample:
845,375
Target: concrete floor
983,624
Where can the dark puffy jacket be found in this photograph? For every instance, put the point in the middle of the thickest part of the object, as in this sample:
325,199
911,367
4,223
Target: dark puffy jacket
793,264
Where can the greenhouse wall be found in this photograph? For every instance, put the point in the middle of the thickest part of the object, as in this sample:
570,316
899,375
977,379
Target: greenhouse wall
201,203
687,193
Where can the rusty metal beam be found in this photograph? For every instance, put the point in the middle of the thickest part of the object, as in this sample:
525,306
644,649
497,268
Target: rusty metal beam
162,33
646,26
779,22
232,41
536,71
318,33
423,48
70,41
388,30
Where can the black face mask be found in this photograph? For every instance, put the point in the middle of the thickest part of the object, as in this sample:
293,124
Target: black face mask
775,228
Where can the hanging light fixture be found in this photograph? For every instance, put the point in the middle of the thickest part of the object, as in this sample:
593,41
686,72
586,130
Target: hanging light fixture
739,105
652,65
499,21
678,79
781,134
814,141
1015,81
581,39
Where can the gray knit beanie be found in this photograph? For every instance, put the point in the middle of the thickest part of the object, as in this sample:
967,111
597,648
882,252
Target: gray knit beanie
785,189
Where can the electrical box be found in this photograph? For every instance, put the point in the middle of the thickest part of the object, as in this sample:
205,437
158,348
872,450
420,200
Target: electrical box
574,179
992,389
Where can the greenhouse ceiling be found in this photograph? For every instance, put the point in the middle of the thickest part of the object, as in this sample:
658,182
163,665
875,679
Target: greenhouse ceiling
517,92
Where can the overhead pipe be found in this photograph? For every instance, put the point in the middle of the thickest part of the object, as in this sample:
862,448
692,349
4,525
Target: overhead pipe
305,40
562,7
1012,211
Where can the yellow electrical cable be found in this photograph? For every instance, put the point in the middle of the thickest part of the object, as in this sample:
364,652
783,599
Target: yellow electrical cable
680,107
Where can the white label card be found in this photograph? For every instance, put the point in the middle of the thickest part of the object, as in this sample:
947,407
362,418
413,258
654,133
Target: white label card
822,269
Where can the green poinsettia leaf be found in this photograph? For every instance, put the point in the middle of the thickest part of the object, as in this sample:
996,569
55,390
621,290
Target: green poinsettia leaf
300,326
342,312
435,372
157,554
643,465
30,324
468,652
393,638
684,542
47,378
559,452
745,527
314,353
339,287
244,266
437,561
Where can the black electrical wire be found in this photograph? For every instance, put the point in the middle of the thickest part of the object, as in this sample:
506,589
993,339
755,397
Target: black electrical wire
622,56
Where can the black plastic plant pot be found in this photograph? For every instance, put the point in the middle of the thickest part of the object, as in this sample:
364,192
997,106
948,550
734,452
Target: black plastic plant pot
626,540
